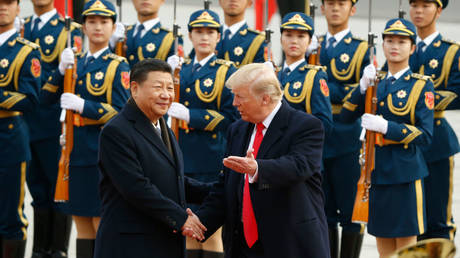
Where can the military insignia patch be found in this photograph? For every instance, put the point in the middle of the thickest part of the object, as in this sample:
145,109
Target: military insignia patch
207,82
297,85
150,47
347,40
125,80
243,32
35,67
324,88
77,42
238,51
437,44
4,63
54,22
429,100
407,77
49,39
433,63
156,30
401,94
345,58
99,76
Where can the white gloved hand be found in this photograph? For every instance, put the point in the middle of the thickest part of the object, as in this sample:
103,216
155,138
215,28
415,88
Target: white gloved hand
117,35
270,65
72,102
179,111
374,123
67,58
313,45
368,78
18,22
174,61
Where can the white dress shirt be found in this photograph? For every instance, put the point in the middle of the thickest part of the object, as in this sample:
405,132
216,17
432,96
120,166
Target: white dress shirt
44,18
398,74
294,65
428,40
6,35
148,25
233,29
338,37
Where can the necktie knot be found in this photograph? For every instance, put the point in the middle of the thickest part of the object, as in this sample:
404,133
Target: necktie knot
140,28
391,79
331,41
420,46
196,67
260,127
227,34
35,29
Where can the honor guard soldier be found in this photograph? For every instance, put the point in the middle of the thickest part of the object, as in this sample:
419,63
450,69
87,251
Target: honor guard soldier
206,107
147,38
51,227
101,90
238,43
404,123
305,86
438,58
345,56
20,72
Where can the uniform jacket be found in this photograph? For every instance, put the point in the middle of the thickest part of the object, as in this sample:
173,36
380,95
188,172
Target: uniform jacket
344,70
287,198
20,72
158,43
407,105
440,61
143,190
306,89
245,47
103,85
52,38
211,112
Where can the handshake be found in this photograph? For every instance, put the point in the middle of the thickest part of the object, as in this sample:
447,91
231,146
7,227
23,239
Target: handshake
193,227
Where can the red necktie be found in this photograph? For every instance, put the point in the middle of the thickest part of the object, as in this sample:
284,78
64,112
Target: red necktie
249,220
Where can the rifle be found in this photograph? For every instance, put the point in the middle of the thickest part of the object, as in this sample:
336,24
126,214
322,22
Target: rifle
66,139
313,59
367,156
120,48
179,52
21,25
401,11
268,32
207,3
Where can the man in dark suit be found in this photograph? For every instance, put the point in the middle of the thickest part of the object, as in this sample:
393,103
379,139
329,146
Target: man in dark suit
142,185
269,196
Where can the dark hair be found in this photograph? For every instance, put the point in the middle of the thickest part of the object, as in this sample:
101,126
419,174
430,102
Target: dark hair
141,69
111,17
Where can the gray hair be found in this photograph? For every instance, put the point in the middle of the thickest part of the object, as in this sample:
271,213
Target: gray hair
260,78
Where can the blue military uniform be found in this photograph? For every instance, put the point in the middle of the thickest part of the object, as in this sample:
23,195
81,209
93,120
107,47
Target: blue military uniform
45,129
440,60
305,87
245,47
103,83
345,62
203,91
157,42
406,101
20,72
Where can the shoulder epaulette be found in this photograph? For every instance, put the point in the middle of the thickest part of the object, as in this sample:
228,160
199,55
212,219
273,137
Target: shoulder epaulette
165,29
76,25
452,42
358,38
321,38
129,27
255,31
28,43
27,19
116,57
187,60
421,77
224,62
315,67
381,75
80,54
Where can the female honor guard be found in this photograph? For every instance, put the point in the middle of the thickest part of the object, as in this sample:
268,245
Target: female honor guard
206,107
305,86
439,58
100,92
404,123
20,73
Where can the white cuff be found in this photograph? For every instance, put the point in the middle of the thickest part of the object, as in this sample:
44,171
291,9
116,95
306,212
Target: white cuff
253,179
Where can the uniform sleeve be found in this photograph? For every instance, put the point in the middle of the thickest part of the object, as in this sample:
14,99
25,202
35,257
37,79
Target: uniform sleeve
216,120
453,85
422,132
103,111
52,90
320,102
353,108
26,97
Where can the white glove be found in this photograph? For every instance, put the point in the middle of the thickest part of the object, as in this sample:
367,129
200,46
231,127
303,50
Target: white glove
18,22
368,78
118,34
179,111
67,58
72,102
269,64
374,123
174,61
313,45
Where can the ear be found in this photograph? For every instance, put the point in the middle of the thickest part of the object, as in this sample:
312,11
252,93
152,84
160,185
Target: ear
134,86
323,10
412,48
352,10
266,99
249,4
438,12
218,36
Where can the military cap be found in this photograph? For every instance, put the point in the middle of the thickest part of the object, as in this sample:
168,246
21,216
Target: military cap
401,27
99,8
298,21
204,18
352,1
441,3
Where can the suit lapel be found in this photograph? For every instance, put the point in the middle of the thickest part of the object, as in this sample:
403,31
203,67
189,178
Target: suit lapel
274,130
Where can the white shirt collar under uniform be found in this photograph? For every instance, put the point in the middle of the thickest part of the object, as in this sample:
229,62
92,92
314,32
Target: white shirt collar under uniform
338,37
44,18
234,28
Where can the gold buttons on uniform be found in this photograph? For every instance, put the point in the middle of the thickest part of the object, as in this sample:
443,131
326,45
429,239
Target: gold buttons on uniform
406,146
206,117
80,82
47,51
2,75
347,88
10,126
187,131
404,131
131,57
438,122
96,85
438,97
187,90
100,110
5,93
400,103
214,136
186,103
382,103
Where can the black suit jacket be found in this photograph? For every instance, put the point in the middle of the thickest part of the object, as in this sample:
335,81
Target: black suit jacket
287,198
143,190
